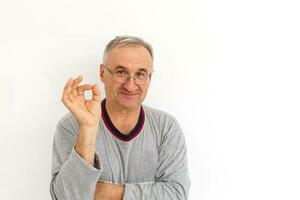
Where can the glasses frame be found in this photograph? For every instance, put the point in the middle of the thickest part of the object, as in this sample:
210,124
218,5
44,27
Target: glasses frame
130,76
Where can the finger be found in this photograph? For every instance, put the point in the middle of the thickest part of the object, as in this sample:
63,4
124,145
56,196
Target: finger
71,97
67,99
68,83
84,87
96,93
69,92
67,89
75,85
77,81
74,92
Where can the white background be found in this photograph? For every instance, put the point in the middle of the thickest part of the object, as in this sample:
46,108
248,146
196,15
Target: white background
228,70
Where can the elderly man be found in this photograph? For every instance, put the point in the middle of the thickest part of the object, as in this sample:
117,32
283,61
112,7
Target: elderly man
118,148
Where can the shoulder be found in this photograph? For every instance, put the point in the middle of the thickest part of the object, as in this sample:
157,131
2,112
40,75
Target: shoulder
166,127
157,114
161,119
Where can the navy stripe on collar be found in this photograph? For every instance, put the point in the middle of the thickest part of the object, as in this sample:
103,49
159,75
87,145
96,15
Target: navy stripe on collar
126,138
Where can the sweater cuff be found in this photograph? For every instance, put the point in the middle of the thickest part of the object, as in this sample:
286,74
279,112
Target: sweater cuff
77,179
82,164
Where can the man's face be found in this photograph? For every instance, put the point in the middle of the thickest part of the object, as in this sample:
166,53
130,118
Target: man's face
132,59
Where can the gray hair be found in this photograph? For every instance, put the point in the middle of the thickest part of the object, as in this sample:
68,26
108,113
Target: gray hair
126,41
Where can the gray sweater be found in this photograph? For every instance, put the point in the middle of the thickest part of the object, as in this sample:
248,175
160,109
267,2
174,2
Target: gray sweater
151,161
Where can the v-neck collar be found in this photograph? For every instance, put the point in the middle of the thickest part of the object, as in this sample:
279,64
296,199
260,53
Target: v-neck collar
133,133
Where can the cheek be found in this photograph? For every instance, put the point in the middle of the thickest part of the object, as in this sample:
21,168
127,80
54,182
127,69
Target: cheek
110,88
144,90
115,88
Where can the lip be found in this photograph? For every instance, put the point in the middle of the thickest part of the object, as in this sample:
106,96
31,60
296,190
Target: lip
128,94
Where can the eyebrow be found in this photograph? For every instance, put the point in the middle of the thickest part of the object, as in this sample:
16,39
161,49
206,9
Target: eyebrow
139,69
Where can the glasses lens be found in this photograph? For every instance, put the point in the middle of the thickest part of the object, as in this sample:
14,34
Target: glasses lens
119,79
124,77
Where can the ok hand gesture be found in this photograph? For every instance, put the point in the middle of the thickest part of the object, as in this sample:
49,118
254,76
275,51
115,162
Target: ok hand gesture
87,112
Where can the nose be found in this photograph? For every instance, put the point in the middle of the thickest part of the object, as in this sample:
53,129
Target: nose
130,85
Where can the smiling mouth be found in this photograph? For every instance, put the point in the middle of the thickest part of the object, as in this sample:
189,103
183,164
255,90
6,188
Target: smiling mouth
128,94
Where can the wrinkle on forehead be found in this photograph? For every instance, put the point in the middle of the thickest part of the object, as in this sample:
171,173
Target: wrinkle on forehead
130,57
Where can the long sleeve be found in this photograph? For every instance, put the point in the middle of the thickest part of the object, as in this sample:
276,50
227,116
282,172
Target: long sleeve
72,178
172,180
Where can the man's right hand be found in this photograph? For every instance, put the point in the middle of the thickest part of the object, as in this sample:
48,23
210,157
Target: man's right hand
87,112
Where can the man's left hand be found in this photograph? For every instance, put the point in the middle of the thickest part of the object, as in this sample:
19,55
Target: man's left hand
106,191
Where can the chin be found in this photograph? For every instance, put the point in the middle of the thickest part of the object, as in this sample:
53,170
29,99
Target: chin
129,102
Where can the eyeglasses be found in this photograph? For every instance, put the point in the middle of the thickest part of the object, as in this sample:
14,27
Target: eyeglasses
122,76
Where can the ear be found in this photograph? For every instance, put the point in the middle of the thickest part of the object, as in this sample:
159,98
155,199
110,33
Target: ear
101,72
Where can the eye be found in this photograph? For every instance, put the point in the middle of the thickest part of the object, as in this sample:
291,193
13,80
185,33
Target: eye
141,74
121,72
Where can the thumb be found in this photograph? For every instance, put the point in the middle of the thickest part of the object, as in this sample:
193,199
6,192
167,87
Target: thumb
96,93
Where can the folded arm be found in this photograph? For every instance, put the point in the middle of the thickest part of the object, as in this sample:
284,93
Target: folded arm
172,177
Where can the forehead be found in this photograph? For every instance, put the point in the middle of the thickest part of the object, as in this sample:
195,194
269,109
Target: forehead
131,57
